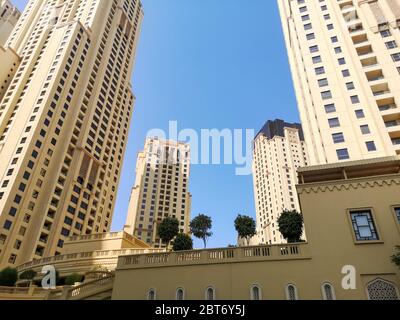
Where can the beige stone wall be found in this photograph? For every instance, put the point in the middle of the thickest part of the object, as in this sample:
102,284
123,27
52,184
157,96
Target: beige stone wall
331,246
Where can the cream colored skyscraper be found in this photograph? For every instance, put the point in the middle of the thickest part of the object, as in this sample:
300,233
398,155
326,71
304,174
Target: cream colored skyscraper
64,122
161,189
9,15
279,150
345,62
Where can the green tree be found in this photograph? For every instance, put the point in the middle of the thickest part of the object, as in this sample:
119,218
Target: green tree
73,278
245,227
28,275
291,225
396,257
182,242
168,229
200,227
8,277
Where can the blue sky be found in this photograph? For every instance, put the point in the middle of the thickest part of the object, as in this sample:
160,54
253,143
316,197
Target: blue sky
208,64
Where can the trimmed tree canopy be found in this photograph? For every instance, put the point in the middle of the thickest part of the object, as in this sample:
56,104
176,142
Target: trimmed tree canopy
182,242
168,229
245,227
8,277
200,227
28,275
291,225
73,278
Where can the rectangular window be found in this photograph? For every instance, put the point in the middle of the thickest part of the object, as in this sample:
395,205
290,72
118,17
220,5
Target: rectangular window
316,59
329,108
396,57
342,154
365,129
371,146
323,82
310,36
308,26
391,44
360,114
338,137
334,122
320,70
363,225
354,99
314,49
397,212
326,95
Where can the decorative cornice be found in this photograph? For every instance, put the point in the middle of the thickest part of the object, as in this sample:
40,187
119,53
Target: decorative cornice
343,185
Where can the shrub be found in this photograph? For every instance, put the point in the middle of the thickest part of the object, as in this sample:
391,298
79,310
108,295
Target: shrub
28,275
183,242
73,278
8,277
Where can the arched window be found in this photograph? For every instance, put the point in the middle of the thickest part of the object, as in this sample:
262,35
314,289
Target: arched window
380,289
151,295
210,293
328,293
255,293
291,292
180,294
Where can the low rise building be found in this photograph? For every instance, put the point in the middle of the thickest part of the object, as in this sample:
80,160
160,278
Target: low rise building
352,220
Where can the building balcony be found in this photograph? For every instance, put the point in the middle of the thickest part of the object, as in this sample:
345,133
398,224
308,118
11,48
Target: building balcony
383,97
393,128
391,113
381,93
297,251
83,261
396,144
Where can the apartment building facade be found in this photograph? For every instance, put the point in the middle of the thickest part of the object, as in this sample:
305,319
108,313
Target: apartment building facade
279,150
64,122
161,190
345,62
9,15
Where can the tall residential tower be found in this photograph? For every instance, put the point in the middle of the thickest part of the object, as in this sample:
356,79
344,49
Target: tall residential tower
64,121
9,15
161,189
345,62
279,150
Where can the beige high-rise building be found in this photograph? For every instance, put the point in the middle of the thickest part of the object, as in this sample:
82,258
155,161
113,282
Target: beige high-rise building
345,62
161,189
279,150
64,122
9,15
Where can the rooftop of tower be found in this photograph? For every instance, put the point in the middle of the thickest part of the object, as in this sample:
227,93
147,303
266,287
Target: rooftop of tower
273,128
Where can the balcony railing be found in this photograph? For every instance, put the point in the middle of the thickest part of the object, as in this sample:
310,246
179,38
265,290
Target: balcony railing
216,256
105,254
387,107
396,142
376,78
380,93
